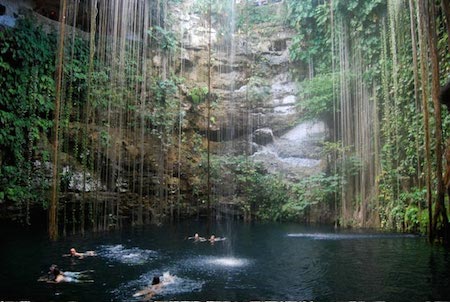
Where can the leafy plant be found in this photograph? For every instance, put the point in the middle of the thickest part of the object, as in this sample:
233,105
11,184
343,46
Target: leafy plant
197,95
316,98
163,38
26,104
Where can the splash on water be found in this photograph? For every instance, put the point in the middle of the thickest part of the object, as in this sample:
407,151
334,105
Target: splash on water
130,256
173,285
78,277
72,277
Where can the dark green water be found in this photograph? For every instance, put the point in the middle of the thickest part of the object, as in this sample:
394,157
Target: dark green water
256,262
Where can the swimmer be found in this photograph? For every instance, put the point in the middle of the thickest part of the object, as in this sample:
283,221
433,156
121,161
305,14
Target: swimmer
156,286
73,253
197,238
55,275
213,239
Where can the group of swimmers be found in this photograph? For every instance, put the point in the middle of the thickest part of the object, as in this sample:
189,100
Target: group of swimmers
56,275
212,238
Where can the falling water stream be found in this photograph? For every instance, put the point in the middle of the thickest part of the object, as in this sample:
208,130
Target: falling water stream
296,153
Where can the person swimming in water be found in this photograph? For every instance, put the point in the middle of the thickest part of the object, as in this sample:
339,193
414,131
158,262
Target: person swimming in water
197,238
156,287
213,239
80,255
55,275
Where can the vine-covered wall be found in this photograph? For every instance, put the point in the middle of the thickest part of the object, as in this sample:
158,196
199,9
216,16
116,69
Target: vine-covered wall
155,119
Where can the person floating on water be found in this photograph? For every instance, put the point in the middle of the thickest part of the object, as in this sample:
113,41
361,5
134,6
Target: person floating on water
213,239
197,238
55,275
156,287
80,255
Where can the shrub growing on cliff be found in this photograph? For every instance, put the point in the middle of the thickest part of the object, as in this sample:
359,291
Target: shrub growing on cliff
26,102
316,98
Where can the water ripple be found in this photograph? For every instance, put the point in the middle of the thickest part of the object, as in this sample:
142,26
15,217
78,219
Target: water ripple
130,256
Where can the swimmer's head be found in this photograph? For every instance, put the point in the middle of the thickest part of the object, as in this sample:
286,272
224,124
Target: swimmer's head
155,280
72,251
54,271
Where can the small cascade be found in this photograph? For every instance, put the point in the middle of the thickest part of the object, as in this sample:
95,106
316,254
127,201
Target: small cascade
296,153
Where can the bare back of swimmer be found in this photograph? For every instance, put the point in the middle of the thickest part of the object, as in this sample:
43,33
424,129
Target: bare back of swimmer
156,287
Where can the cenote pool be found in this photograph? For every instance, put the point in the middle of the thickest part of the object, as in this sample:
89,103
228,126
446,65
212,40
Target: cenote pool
256,262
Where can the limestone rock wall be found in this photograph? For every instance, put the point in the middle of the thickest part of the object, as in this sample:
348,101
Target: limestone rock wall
250,73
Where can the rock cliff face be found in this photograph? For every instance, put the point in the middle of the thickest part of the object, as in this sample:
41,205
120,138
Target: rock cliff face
253,113
251,74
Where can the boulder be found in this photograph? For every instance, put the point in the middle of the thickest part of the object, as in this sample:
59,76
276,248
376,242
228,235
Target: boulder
263,136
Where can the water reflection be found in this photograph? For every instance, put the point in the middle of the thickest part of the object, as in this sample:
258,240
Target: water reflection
227,261
332,236
209,263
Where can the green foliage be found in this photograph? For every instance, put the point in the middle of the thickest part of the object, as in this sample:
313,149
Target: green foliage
316,98
268,196
164,108
197,95
163,38
27,57
252,16
412,219
310,191
403,213
312,41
